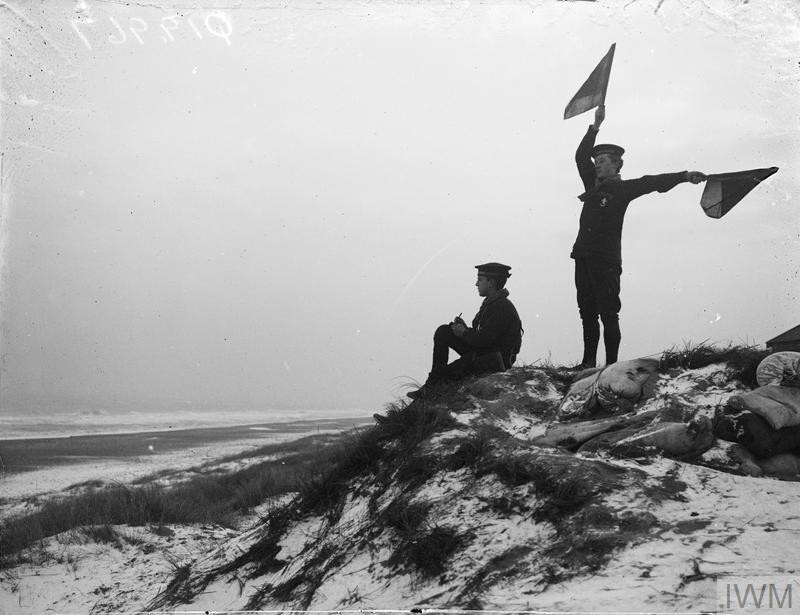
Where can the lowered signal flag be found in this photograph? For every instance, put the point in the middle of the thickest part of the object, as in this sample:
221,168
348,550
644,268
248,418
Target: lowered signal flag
724,190
593,92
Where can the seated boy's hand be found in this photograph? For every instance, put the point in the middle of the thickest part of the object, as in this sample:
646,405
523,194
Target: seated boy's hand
458,329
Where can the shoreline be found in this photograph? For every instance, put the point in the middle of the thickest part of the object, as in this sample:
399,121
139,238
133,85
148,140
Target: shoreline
22,455
65,425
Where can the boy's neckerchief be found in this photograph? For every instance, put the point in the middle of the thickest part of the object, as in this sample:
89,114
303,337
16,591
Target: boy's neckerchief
599,184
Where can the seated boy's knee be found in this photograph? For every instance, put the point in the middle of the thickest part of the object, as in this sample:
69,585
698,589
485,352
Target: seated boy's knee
442,332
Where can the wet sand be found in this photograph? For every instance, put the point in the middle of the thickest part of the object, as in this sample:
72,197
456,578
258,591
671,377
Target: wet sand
26,455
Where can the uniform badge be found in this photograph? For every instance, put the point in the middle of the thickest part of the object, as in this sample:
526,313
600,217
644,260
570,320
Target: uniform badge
604,201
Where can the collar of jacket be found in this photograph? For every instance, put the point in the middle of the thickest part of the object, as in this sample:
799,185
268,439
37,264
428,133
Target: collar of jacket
502,294
599,184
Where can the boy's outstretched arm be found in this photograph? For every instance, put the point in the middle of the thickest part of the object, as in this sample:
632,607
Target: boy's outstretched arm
661,183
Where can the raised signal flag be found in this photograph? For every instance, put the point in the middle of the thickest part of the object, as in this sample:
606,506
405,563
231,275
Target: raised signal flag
593,92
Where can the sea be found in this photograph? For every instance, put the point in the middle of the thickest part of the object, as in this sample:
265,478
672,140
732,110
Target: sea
61,424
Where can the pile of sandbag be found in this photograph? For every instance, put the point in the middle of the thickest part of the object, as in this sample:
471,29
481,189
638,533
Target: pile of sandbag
616,390
765,422
633,435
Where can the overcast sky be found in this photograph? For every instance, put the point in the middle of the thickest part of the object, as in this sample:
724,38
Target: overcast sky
274,204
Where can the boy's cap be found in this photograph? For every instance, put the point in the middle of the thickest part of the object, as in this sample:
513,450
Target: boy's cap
607,148
494,269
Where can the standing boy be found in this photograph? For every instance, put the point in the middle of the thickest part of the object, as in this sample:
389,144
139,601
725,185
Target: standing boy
598,248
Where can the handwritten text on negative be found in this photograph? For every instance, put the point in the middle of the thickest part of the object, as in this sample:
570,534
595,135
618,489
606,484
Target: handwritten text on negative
212,25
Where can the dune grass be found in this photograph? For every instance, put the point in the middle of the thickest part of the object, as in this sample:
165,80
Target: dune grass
743,359
206,498
379,456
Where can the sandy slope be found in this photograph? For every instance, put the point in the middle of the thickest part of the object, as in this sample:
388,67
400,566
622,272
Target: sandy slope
728,525
653,536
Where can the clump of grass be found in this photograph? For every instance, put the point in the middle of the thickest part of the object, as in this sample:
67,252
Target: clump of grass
396,437
509,402
542,408
410,424
631,521
484,388
596,516
565,493
183,588
539,373
589,540
417,470
406,518
427,552
102,534
520,374
264,553
162,530
743,359
290,449
668,488
499,567
472,449
587,551
507,505
180,587
560,375
564,483
301,587
513,471
323,489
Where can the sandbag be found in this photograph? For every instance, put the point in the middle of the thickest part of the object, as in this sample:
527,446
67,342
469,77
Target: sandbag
616,388
621,385
681,440
779,368
604,442
571,435
779,405
756,435
785,464
746,463
675,412
581,396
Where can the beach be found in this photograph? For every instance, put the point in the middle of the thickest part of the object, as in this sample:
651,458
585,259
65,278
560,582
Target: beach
36,468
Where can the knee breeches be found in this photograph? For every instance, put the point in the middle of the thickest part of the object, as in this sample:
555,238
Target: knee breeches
598,285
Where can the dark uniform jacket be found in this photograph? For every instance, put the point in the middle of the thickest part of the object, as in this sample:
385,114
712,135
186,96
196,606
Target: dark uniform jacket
605,203
496,328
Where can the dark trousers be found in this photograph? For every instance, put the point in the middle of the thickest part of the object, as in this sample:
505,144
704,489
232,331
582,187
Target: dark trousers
598,284
471,361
